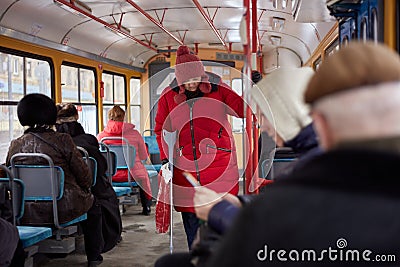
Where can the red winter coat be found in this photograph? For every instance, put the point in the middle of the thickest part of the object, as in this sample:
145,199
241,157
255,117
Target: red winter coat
205,146
127,130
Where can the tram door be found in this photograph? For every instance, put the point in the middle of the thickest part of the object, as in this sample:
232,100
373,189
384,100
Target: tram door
160,76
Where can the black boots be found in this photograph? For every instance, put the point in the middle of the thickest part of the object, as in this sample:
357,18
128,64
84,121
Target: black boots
96,262
146,210
146,203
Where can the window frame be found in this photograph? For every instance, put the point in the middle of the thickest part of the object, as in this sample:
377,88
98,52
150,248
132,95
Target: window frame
34,56
125,105
79,102
12,104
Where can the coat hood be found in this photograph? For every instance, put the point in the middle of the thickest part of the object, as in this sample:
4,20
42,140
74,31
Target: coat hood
118,127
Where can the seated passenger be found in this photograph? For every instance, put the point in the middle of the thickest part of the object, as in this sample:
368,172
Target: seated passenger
39,113
117,127
285,116
283,89
340,208
102,229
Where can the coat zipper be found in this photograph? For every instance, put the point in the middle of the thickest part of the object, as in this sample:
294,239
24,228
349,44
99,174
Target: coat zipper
218,148
180,151
193,141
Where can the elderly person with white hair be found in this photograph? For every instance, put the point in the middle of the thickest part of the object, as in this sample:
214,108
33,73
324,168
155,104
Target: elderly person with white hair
341,208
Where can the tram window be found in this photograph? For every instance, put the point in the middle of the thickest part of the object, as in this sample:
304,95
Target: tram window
345,41
69,84
78,87
374,25
10,128
317,63
39,80
16,67
20,80
88,118
11,82
87,86
19,75
108,89
119,90
114,89
114,93
135,102
364,30
332,48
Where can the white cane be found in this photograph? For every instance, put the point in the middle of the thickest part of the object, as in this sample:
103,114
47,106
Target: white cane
170,139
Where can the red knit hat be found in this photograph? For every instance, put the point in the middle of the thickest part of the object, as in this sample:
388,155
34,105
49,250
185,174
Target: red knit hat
193,67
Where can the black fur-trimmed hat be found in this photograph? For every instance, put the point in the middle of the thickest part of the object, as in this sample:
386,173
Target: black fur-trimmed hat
36,109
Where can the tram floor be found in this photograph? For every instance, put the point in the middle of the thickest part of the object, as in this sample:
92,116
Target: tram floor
141,246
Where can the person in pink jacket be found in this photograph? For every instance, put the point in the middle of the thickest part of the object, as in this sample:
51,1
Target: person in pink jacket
117,127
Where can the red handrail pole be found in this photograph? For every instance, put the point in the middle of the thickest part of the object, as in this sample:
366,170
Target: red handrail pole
254,23
248,163
158,24
211,23
255,150
108,25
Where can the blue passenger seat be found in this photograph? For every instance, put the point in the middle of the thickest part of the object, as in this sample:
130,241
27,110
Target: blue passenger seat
282,163
154,151
29,235
111,158
120,157
46,183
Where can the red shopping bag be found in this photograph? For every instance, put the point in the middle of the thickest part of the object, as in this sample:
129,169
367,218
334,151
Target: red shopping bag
163,207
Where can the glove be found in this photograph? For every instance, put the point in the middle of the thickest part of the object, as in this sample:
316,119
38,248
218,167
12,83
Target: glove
166,173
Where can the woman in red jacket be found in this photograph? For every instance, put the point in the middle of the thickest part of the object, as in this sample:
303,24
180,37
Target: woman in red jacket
196,105
118,128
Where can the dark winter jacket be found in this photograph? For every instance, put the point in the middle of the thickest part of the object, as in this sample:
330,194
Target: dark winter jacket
345,199
205,146
304,146
77,198
8,242
103,227
90,143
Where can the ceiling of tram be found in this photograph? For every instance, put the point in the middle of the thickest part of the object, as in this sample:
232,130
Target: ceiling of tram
148,25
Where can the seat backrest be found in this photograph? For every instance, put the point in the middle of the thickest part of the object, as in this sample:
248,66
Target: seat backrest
91,162
16,188
42,182
37,180
111,158
125,153
282,163
152,146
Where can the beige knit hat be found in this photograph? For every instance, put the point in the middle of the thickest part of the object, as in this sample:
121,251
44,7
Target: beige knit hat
283,90
356,65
